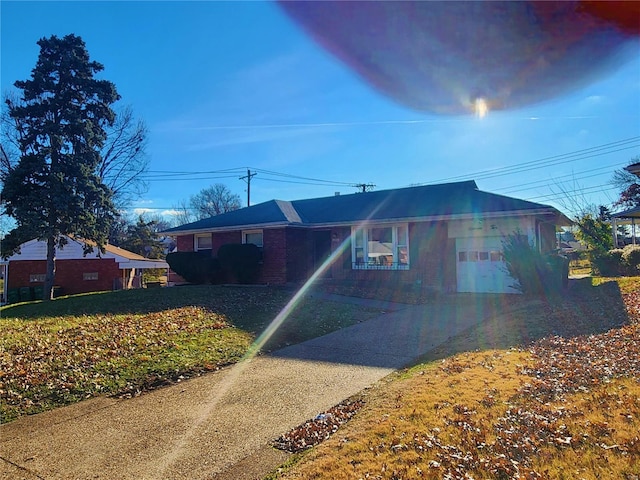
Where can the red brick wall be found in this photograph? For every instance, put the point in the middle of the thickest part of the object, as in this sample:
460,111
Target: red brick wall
288,256
274,267
184,243
274,257
299,254
223,238
69,274
341,267
430,259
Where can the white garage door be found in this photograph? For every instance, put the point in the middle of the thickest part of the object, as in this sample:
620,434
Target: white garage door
481,267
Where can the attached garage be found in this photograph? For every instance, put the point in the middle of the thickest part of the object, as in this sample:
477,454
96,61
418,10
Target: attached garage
480,266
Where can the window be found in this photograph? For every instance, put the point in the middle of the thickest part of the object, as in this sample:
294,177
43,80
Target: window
253,236
380,248
203,242
37,277
90,276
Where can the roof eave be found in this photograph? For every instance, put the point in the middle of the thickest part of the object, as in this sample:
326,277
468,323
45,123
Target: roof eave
559,219
634,168
250,226
142,264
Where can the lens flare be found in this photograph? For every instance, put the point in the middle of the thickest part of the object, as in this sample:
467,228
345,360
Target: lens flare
223,387
481,107
427,55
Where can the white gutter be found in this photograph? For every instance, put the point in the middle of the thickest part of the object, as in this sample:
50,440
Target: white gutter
142,264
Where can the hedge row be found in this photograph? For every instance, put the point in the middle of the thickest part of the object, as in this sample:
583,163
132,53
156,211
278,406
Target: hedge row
235,263
619,261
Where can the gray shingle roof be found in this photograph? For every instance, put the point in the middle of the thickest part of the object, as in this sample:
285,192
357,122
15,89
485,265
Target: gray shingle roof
441,200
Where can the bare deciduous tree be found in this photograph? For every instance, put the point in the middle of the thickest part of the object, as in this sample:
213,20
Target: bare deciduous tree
214,200
124,157
184,214
208,202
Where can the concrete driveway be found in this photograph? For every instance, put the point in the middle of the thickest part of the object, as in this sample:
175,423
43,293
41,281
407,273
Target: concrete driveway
219,425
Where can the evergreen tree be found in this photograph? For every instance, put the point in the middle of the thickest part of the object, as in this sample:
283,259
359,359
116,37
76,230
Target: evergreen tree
54,189
142,238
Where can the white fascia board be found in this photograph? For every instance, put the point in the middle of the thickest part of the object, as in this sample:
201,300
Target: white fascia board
435,218
142,264
252,226
386,221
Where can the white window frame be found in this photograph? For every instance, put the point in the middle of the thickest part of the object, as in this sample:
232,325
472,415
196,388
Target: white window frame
195,242
88,276
250,232
37,277
365,233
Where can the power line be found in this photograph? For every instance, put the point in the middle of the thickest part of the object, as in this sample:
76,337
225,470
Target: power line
548,161
173,179
366,187
248,178
332,182
308,183
590,189
532,185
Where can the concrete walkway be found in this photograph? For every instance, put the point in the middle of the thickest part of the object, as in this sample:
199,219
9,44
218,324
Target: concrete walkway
219,425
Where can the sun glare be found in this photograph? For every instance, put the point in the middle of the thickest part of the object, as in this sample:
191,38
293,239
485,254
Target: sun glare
481,108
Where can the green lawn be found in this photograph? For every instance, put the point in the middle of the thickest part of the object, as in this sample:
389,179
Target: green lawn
126,342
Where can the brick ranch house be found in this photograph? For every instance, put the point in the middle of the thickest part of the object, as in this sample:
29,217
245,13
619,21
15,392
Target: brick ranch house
115,269
447,237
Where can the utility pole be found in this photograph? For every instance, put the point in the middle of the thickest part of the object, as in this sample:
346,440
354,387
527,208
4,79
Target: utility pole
365,186
247,178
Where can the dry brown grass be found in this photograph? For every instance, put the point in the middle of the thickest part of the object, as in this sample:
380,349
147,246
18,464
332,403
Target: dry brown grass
566,408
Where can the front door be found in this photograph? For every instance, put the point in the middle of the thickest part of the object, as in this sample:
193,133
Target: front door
321,250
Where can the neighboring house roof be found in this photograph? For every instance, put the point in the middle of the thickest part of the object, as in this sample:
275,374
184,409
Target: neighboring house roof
631,213
430,202
37,250
633,168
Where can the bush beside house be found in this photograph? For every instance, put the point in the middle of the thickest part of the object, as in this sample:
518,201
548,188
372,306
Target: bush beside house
617,261
195,267
240,261
534,272
235,262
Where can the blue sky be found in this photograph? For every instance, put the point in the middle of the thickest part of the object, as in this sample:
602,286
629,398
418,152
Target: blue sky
231,86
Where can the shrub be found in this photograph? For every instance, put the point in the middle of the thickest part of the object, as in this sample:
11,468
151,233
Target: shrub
606,263
241,261
631,258
534,272
195,267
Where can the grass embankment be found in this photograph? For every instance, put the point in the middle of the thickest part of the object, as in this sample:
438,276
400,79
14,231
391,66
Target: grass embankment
553,393
122,343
